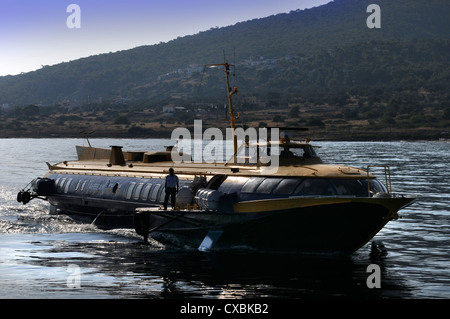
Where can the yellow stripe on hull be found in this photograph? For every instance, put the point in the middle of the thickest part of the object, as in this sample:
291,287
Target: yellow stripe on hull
280,204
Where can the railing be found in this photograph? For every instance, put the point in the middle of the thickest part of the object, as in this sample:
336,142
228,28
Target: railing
387,177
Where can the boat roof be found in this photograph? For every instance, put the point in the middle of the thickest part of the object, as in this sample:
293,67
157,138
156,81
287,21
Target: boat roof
97,161
148,170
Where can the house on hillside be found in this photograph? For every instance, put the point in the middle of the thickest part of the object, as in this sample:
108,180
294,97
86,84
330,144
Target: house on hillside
70,104
172,109
169,108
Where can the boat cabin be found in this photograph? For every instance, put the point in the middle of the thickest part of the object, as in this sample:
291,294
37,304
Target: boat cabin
288,152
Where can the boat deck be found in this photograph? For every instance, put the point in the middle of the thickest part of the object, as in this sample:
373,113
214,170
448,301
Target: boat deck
102,167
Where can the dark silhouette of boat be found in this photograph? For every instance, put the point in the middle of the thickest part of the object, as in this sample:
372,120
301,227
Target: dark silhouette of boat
303,206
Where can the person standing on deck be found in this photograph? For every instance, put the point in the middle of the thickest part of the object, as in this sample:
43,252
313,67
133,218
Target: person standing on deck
171,188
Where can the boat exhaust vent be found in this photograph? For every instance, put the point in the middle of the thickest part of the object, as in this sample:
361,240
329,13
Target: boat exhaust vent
116,157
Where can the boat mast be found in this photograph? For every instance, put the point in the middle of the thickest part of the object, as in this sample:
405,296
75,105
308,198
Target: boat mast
230,93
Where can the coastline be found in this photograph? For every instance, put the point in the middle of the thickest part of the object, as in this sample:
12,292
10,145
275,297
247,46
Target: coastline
317,134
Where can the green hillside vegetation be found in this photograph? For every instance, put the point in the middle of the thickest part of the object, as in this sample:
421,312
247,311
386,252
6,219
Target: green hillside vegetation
321,67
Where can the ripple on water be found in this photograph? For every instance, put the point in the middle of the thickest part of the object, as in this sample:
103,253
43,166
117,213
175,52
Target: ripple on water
36,248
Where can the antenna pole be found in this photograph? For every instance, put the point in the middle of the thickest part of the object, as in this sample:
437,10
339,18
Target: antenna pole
230,93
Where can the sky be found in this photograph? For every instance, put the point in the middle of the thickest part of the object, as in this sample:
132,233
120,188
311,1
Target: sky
34,33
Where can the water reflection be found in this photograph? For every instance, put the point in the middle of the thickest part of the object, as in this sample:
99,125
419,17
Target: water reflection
413,252
130,269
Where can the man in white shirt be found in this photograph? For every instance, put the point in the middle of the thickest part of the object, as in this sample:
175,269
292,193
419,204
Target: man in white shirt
171,188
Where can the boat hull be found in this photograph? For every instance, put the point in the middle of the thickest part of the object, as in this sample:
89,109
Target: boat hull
106,214
310,225
327,227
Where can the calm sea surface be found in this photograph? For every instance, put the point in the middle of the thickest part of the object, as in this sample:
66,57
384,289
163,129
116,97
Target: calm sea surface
54,256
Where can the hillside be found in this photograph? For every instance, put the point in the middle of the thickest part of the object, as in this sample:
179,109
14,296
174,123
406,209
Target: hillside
324,58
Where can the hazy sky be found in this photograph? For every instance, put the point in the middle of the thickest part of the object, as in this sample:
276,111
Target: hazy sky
35,32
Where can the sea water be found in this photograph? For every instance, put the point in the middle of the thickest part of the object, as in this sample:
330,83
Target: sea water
55,256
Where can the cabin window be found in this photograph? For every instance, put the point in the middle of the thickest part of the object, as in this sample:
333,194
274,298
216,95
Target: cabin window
267,185
232,184
66,188
286,186
216,181
130,190
154,195
306,151
83,186
251,185
350,187
138,190
61,185
78,185
313,186
312,151
162,195
146,191
376,186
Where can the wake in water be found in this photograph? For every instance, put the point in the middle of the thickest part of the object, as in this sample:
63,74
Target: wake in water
36,248
35,218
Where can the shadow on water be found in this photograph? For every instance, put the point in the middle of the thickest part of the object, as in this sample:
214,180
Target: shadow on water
130,269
